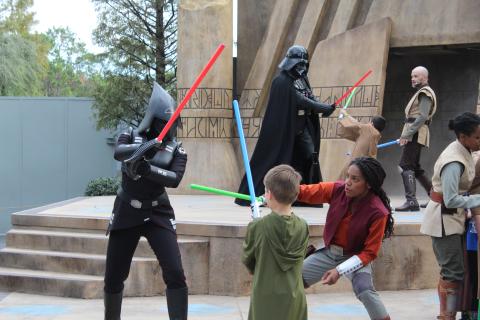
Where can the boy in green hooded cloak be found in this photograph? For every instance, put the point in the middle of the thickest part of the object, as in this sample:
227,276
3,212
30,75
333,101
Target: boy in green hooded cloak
274,249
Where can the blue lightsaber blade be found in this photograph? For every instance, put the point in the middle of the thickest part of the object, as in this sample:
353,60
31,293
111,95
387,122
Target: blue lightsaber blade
387,144
246,162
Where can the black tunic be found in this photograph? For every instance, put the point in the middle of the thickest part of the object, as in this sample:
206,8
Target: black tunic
276,142
125,216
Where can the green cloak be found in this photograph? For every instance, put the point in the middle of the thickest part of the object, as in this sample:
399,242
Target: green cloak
273,251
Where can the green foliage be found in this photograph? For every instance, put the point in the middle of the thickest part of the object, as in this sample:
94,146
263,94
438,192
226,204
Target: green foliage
19,70
140,38
15,18
51,64
120,100
72,70
22,54
140,41
102,187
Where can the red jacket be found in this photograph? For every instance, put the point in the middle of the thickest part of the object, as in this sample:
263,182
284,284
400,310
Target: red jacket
358,232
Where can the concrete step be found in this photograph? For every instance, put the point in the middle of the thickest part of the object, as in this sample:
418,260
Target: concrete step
75,252
27,219
50,273
66,262
42,246
80,242
51,283
70,285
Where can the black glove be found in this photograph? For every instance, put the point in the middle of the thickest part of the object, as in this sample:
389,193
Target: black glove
143,168
153,151
328,113
137,169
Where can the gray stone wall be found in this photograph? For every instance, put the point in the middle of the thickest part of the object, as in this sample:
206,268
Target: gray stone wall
455,79
50,151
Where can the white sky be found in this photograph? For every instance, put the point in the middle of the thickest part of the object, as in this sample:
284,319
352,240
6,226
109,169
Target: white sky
78,15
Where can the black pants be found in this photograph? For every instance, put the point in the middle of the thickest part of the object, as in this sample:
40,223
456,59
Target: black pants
122,245
302,155
410,159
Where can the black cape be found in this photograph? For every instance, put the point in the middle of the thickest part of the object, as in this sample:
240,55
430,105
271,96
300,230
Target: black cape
277,136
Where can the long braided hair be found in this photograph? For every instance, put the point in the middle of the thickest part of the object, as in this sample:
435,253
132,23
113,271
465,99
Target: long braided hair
374,174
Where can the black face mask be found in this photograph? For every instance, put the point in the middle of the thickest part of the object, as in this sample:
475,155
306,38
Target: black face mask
301,69
157,127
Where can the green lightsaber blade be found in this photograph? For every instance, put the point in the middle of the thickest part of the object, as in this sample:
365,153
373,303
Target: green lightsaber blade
348,102
223,192
349,98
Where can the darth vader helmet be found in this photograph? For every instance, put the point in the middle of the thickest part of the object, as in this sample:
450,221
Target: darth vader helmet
295,61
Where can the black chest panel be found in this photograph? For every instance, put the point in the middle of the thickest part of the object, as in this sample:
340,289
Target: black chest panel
124,215
302,86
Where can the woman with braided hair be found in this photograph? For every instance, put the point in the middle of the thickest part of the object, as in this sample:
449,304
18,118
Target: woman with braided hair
358,219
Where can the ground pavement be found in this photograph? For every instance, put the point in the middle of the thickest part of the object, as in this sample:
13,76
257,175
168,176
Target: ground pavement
402,305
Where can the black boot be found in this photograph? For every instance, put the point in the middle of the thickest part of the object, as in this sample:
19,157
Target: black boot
426,184
177,302
409,184
113,305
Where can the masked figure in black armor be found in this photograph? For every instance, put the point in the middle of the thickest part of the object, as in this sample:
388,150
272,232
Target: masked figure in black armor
142,208
290,132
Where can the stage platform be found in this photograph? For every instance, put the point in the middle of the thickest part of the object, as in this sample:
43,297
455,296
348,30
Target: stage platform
59,249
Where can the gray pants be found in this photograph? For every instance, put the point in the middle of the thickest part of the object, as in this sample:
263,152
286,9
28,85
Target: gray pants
328,258
449,253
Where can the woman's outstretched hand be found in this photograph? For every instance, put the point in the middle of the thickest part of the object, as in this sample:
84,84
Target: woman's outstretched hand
330,277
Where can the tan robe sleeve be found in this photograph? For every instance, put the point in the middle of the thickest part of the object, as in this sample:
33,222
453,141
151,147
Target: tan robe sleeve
375,137
348,128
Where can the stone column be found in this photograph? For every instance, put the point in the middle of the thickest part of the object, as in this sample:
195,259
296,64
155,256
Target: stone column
334,69
208,117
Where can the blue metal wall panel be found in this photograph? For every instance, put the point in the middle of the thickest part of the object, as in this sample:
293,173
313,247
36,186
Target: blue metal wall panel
51,151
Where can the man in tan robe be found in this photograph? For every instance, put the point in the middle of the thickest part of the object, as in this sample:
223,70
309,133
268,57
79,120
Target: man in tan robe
365,136
416,135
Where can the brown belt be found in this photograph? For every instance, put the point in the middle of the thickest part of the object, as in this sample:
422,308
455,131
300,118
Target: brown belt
412,120
438,198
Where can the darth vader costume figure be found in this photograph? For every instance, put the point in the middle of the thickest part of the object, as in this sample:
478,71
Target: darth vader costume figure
142,208
290,132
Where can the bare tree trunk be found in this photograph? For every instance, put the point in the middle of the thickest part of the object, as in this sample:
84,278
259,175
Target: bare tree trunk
160,44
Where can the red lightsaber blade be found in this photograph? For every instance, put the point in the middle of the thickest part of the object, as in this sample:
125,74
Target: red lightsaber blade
190,92
354,86
139,153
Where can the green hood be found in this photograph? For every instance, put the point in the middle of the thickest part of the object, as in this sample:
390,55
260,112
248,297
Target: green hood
286,237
